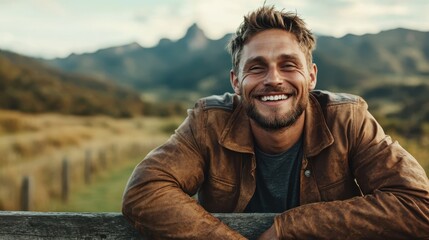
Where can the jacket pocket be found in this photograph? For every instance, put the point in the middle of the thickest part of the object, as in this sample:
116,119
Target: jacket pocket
340,190
221,184
218,195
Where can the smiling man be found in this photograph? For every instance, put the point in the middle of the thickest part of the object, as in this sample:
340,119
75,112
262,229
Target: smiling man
317,158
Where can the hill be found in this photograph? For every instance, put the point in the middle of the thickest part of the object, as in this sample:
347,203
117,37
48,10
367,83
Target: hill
393,57
396,51
371,65
191,64
30,86
197,64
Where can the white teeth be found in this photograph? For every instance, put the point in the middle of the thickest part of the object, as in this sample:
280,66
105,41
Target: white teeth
273,98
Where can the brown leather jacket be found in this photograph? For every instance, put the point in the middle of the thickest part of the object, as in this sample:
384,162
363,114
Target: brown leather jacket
356,183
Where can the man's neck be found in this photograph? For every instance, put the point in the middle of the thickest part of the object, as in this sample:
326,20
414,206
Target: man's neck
277,141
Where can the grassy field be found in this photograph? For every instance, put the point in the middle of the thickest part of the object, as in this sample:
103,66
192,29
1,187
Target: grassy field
35,146
105,195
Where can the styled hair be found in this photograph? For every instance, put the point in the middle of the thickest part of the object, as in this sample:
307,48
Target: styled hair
265,18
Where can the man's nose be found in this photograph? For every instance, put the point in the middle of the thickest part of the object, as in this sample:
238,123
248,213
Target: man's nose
273,77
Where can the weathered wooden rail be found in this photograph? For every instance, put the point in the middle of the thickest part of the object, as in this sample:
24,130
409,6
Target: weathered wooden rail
68,225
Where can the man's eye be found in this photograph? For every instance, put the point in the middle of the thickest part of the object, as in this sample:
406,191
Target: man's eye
288,66
256,69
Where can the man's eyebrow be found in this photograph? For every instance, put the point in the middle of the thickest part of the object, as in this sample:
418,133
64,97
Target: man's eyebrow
252,60
291,57
288,57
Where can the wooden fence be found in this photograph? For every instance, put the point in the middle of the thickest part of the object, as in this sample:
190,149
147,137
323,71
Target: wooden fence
62,225
65,187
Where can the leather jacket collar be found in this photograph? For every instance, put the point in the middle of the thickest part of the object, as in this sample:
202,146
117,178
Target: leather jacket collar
238,137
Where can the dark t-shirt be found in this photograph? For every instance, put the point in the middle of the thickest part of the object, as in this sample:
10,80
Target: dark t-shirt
277,181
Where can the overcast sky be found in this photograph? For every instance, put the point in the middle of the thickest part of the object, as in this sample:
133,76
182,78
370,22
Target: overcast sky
56,28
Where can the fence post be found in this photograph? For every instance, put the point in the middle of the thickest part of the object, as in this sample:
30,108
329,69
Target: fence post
87,167
25,194
65,180
102,157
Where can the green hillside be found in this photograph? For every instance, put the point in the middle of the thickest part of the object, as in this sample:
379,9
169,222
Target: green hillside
390,69
196,63
29,86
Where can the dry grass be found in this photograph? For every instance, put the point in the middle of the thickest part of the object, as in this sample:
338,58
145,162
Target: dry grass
35,146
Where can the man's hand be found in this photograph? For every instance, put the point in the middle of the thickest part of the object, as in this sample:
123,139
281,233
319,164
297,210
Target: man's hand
270,234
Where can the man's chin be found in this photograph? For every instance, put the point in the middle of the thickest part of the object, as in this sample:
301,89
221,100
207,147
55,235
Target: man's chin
271,123
276,120
271,126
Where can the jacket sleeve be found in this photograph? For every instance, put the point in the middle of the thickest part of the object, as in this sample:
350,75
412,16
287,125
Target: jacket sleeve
395,201
157,200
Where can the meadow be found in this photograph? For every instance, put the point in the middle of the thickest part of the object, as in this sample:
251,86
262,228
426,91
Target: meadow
35,147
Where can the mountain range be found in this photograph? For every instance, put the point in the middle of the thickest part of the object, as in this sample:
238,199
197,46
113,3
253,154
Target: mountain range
196,64
390,69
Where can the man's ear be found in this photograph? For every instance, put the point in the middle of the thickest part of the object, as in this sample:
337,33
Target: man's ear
313,77
235,83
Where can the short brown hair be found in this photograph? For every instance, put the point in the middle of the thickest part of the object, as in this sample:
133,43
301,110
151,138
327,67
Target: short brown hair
265,18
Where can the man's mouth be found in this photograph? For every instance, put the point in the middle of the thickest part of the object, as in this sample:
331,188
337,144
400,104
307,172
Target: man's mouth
271,98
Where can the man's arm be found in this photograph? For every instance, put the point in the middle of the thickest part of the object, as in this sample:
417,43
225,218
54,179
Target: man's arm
395,204
269,234
157,197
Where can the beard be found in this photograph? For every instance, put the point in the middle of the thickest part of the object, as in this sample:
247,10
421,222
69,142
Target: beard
276,120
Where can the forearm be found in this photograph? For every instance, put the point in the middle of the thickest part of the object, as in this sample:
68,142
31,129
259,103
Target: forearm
168,213
157,198
377,216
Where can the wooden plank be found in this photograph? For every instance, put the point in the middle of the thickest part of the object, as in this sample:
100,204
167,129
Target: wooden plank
25,194
67,225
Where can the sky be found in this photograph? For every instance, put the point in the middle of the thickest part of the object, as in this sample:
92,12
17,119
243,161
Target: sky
57,28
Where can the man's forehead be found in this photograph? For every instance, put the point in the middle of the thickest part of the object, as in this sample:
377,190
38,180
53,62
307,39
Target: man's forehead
274,43
276,33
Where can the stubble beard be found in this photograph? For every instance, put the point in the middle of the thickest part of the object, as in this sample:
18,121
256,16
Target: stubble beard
276,121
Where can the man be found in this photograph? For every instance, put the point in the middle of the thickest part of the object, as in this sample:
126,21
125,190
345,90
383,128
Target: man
317,158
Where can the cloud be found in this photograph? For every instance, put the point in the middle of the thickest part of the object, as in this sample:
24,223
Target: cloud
6,38
166,20
61,26
339,17
50,6
223,16
141,17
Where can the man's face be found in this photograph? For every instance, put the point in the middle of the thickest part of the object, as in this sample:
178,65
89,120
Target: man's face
274,79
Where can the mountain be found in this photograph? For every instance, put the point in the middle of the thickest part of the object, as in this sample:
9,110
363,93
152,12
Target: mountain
30,86
193,63
196,64
394,54
397,51
390,69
